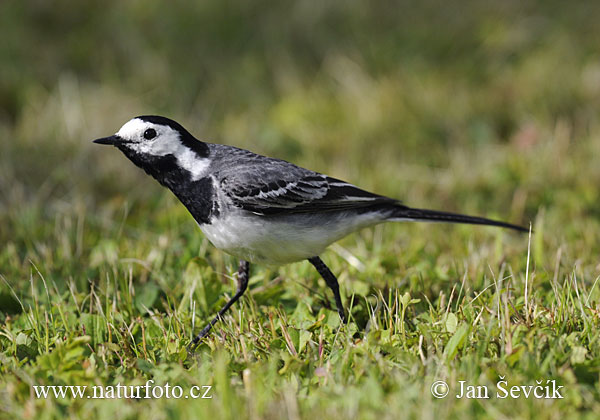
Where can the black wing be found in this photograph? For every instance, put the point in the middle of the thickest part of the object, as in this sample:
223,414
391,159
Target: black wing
312,193
272,186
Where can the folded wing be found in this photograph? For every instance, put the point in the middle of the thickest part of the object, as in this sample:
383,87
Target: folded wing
276,186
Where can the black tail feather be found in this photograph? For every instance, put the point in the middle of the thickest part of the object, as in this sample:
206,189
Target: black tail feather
403,212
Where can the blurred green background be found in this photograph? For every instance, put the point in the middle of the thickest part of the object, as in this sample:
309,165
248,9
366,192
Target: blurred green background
482,107
487,107
339,87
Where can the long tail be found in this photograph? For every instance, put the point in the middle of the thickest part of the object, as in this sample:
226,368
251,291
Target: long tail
407,213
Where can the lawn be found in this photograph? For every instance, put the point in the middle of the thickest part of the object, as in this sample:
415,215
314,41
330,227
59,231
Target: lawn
488,109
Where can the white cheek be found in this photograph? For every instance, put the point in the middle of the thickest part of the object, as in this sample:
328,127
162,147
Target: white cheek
158,147
186,158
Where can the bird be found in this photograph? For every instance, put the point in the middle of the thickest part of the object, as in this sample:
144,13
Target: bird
260,209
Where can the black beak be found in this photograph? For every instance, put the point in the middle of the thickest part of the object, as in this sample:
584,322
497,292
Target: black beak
112,140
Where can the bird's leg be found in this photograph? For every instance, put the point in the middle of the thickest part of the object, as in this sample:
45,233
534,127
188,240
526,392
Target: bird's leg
242,281
332,283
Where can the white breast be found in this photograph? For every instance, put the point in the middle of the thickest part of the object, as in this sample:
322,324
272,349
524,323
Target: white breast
283,239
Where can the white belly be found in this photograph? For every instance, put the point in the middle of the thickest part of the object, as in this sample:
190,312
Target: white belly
281,240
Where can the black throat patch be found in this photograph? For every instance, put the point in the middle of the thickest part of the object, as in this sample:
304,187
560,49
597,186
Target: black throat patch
196,195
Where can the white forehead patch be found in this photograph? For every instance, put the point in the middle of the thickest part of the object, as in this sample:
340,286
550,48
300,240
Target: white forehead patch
166,142
133,130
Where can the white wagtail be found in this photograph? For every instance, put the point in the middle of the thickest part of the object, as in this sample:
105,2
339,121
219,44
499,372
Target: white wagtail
260,209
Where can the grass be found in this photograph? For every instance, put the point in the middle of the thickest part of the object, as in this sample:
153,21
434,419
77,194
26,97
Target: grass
105,278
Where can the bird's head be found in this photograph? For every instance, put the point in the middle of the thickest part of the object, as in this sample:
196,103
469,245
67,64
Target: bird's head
150,141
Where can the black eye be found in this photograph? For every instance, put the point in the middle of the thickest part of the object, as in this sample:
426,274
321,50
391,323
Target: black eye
149,133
